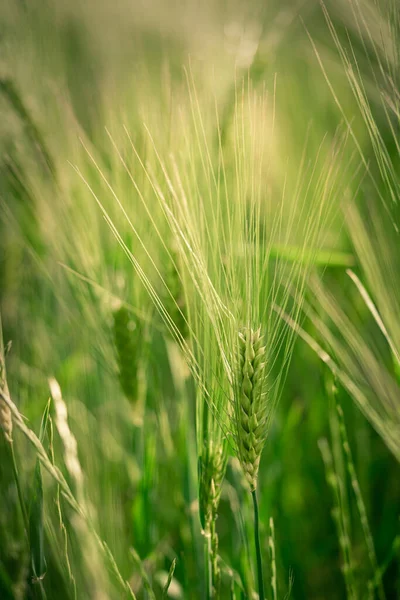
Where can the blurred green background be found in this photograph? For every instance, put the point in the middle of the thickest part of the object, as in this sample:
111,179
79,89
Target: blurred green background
70,72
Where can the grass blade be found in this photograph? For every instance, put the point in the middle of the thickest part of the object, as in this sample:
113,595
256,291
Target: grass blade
170,576
36,529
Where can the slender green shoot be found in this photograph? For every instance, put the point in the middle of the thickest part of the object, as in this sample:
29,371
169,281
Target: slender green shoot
169,579
260,577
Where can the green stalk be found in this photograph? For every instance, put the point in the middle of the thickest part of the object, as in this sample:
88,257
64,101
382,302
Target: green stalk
261,594
214,559
19,490
208,566
212,572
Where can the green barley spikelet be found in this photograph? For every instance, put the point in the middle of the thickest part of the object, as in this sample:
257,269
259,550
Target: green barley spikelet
251,406
127,332
212,466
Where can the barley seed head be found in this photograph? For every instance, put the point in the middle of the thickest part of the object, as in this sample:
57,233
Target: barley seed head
245,233
212,465
127,335
251,402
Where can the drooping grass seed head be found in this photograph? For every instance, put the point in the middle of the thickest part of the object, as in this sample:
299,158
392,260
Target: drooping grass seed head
5,412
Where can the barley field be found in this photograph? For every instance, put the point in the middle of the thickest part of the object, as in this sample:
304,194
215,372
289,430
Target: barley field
200,300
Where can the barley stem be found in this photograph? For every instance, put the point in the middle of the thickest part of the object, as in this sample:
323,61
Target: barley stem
17,483
257,545
214,559
212,570
208,566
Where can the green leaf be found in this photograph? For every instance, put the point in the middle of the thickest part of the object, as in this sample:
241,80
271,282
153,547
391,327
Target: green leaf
316,257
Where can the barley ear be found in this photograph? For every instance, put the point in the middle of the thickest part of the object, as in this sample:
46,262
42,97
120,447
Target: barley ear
212,466
127,334
251,413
